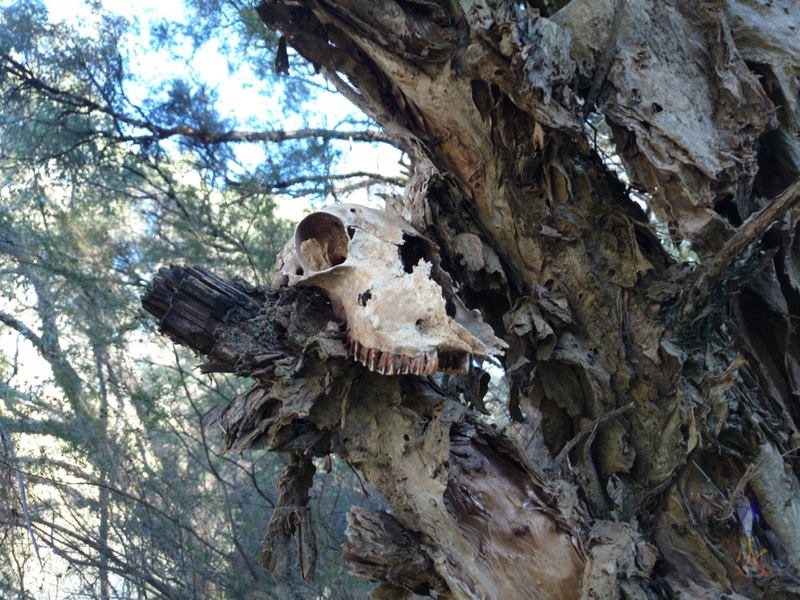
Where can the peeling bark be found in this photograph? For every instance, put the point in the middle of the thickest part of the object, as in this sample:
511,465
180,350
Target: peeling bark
464,491
651,394
380,549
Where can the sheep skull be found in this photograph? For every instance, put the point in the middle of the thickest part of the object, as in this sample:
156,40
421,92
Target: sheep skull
385,280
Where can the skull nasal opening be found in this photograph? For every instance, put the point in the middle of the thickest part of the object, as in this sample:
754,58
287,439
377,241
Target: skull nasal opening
412,250
321,241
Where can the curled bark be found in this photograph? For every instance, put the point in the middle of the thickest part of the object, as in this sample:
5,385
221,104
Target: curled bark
380,549
599,317
467,492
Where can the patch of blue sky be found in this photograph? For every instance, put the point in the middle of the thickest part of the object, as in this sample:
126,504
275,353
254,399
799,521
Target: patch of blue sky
246,101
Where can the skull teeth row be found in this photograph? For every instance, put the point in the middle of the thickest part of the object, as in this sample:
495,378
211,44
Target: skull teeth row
386,363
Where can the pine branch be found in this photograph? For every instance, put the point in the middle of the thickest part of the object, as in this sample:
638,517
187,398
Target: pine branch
21,485
156,133
370,179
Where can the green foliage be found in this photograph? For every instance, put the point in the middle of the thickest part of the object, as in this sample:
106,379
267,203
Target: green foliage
104,179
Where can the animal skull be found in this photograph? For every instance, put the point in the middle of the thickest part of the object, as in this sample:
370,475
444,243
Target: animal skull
385,280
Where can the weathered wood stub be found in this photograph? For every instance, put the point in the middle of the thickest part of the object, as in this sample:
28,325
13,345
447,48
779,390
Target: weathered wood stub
651,395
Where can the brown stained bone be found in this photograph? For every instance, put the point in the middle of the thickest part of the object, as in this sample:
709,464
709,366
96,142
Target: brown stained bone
425,363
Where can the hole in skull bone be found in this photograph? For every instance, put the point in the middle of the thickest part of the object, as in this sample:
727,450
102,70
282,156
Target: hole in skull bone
449,307
421,325
412,250
364,297
351,231
322,241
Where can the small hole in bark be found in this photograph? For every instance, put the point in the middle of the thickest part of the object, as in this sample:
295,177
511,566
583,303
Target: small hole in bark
727,208
521,530
405,437
611,272
657,108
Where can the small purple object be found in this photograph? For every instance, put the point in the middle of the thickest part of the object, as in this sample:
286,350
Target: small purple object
752,512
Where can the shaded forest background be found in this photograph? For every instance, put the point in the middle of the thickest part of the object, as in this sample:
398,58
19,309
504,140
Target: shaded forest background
649,309
113,483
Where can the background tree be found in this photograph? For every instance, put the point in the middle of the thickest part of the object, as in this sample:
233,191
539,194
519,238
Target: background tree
659,394
104,178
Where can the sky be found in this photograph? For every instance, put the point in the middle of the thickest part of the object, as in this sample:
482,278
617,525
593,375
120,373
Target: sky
241,94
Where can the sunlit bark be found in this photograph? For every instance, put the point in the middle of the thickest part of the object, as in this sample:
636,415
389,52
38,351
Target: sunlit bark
658,393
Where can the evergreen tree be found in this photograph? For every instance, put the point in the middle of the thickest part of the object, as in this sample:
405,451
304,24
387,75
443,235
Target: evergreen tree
107,433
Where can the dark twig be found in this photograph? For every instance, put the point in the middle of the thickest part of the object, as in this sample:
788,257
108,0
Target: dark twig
601,72
707,275
21,484
155,133
371,177
751,230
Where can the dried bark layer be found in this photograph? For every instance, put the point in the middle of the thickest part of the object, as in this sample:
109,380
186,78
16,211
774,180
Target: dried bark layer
471,501
546,241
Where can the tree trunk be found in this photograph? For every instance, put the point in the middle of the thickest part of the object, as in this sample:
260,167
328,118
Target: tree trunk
660,395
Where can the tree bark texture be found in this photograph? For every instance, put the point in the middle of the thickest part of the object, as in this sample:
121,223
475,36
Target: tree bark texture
656,396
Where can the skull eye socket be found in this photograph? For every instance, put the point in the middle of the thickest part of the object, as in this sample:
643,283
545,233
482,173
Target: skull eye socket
321,241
